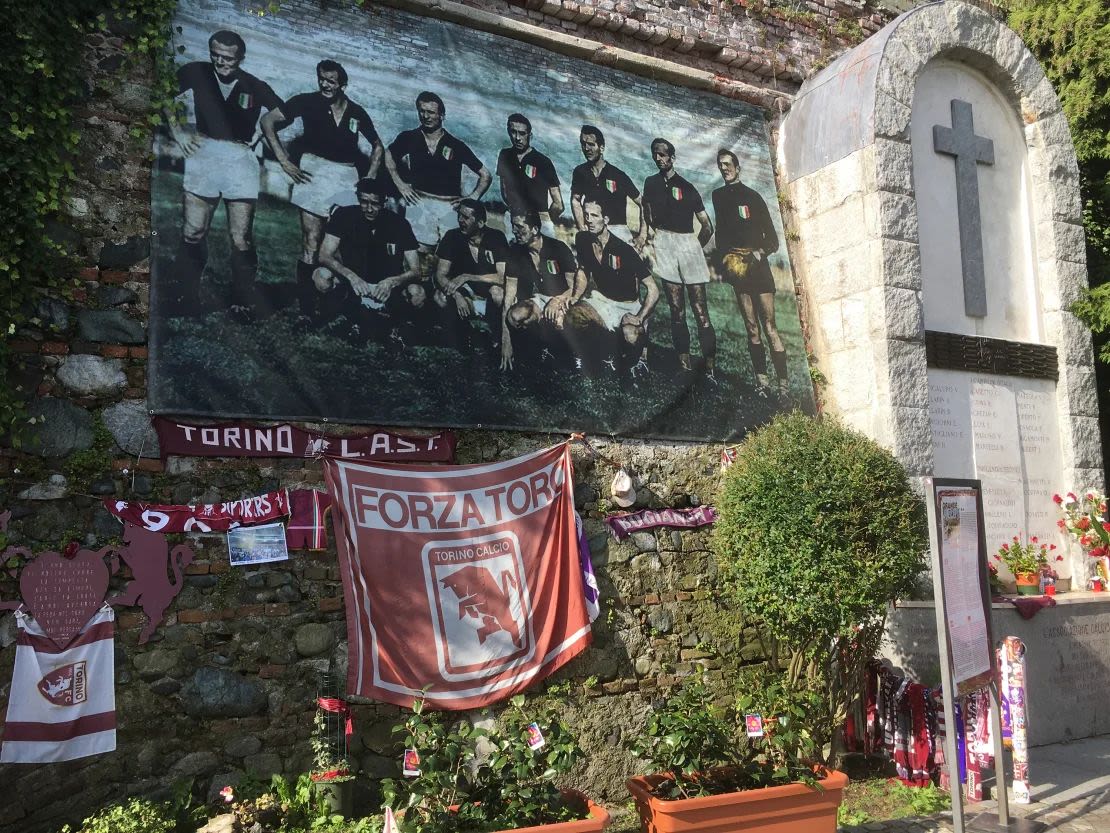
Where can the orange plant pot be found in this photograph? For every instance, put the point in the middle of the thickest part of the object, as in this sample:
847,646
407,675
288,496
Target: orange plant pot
597,821
792,808
1028,584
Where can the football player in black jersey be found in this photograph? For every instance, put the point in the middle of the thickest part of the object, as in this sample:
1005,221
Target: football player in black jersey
220,164
330,161
745,237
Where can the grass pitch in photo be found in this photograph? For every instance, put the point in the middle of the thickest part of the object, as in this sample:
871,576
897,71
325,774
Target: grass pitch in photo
430,239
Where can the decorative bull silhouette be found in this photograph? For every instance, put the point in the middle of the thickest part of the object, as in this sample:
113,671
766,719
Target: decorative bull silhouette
482,598
147,554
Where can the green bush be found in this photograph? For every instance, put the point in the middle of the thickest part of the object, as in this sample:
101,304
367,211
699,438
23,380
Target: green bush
818,531
135,816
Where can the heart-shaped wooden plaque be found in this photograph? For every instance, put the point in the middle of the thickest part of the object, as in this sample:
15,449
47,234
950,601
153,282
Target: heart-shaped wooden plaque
64,593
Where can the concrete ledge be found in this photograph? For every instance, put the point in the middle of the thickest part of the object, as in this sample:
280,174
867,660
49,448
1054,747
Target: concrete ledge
588,50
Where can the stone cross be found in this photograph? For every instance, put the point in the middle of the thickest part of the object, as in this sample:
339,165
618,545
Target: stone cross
960,141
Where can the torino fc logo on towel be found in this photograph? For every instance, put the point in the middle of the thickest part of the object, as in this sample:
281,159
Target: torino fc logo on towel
479,594
65,686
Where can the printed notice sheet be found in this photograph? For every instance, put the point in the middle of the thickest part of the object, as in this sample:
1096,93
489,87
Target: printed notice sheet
968,634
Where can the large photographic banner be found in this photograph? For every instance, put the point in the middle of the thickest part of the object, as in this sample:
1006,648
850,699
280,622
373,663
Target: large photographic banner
374,217
461,580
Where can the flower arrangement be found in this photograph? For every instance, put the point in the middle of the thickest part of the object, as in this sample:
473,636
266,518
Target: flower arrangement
1029,557
1085,520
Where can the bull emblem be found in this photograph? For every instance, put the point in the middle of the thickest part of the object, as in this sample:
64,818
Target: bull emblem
148,555
482,598
65,686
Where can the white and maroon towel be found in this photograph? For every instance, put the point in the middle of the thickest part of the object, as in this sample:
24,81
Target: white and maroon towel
63,702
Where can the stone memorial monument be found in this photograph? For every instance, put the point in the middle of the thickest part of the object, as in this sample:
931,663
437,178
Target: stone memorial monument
935,190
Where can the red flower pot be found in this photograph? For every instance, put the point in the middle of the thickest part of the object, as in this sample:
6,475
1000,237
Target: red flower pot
792,808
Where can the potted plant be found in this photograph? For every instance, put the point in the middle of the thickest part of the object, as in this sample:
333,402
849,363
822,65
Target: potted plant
750,763
463,778
331,773
1027,562
1085,521
818,531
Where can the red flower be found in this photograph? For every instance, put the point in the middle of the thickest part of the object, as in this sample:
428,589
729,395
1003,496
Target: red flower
1084,523
1060,523
1059,558
1098,552
1034,539
998,557
1106,526
1006,547
1057,499
1052,546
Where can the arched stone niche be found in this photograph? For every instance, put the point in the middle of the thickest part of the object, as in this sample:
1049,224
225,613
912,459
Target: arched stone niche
1000,388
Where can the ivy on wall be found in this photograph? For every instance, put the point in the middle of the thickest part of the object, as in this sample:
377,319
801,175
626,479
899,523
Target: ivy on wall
43,77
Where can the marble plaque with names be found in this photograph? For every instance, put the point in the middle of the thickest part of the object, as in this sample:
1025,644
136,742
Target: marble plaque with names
1002,431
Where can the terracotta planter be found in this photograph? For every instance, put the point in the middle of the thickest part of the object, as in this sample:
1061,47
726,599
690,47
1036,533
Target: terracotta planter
1028,584
598,820
793,808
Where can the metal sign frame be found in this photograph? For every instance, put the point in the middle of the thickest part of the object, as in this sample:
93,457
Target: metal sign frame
933,487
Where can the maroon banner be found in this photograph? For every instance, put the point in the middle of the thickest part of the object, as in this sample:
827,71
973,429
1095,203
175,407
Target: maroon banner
248,439
462,582
624,525
202,517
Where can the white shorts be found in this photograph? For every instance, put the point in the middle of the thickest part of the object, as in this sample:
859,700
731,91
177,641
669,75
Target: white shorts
546,226
679,258
333,183
611,312
431,218
222,169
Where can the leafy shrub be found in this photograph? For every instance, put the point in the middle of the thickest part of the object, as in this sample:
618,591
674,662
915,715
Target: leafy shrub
474,779
137,815
818,531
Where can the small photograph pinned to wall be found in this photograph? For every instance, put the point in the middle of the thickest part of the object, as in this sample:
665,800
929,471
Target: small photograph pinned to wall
257,544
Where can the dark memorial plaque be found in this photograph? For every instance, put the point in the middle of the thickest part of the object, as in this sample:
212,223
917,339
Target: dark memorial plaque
373,217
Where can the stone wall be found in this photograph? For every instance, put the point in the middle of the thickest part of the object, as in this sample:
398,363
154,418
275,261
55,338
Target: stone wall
226,684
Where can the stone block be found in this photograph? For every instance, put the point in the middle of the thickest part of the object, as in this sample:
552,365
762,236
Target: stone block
1008,50
1071,337
124,255
87,375
109,325
907,374
893,166
851,376
855,314
837,230
973,27
54,487
926,33
1083,448
195,763
314,639
1062,283
891,117
218,692
157,662
129,423
902,316
1040,100
901,263
1061,241
831,187
59,428
913,439
1078,387
830,322
893,83
891,215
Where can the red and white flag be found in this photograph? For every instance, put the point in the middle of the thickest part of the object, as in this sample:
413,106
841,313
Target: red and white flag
62,703
461,580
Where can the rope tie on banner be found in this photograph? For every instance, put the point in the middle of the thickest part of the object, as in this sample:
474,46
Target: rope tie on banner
337,706
579,437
